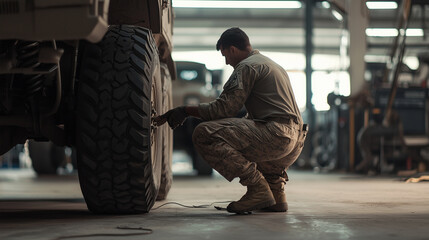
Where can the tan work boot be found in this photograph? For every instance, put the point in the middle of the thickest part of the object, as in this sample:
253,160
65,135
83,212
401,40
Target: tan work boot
279,195
258,196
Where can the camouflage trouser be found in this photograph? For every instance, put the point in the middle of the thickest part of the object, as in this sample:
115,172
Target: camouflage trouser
239,147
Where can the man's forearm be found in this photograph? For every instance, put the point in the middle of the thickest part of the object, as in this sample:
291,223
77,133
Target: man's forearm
192,111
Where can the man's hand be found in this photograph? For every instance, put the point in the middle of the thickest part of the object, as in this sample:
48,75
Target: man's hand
175,117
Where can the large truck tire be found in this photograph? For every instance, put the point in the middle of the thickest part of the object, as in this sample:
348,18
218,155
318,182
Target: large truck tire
167,136
46,157
118,150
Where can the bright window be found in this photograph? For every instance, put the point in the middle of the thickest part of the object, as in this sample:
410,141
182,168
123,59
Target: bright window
324,82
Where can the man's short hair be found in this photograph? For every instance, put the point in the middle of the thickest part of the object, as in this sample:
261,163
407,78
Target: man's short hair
233,37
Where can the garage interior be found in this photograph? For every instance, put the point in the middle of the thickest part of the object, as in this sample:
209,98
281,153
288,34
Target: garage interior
354,65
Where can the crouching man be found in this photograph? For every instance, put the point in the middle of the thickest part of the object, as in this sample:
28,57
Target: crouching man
259,148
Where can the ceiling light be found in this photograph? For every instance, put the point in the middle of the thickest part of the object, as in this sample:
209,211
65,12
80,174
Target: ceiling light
415,32
326,4
382,5
392,32
381,32
337,15
236,4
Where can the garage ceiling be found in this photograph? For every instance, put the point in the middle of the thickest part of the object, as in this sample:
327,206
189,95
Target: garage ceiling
283,30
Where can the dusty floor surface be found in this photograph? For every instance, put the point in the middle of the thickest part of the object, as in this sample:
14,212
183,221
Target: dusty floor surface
321,206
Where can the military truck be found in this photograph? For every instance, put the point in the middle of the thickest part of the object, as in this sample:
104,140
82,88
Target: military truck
92,74
194,84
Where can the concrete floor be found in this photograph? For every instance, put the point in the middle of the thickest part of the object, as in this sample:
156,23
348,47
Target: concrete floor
321,206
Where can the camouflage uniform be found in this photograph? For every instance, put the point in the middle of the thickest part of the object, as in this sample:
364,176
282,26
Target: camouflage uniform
268,140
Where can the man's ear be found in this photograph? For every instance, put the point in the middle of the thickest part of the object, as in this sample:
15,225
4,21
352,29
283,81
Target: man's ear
233,49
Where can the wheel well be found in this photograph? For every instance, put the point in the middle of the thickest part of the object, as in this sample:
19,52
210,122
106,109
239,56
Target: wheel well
143,13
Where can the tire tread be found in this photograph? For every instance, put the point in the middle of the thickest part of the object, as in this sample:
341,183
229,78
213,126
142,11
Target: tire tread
113,122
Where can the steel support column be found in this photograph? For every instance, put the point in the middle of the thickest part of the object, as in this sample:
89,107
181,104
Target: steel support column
357,22
309,48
